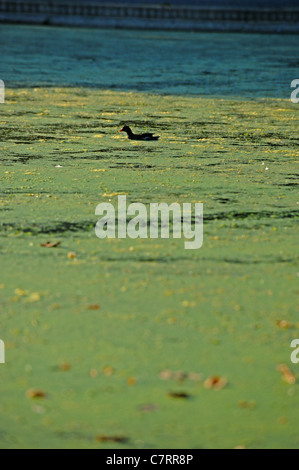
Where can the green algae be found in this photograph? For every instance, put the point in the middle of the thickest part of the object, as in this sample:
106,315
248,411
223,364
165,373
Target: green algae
96,324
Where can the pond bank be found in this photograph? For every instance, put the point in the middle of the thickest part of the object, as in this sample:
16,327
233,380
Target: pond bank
166,17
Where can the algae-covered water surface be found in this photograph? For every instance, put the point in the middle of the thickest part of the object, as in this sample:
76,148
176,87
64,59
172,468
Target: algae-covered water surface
140,343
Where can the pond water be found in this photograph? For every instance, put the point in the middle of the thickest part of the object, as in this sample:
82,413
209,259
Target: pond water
180,63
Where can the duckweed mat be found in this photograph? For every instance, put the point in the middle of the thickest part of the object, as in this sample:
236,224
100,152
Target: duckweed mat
123,343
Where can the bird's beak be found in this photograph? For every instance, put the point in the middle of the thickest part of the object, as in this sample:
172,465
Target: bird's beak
121,130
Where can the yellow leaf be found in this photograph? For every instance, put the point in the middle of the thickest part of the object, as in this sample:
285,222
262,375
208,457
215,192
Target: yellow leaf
34,297
20,292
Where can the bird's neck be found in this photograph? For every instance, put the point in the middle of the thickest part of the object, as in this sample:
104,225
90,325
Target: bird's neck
129,132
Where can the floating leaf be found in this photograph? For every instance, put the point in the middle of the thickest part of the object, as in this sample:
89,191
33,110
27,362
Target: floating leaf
131,381
165,374
34,393
93,307
179,395
284,324
247,404
21,292
65,366
34,297
215,382
287,374
93,373
50,245
118,439
108,370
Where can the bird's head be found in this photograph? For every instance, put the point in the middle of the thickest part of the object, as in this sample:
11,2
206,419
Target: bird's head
125,129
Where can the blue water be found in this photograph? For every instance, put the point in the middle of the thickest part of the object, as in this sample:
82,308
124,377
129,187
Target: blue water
222,64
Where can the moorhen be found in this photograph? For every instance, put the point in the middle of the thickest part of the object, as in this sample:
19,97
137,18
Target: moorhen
145,136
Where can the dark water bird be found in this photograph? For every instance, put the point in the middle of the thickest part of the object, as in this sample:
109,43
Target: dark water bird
145,136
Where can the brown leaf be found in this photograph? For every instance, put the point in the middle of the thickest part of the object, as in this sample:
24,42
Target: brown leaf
108,370
118,439
247,404
50,245
65,366
165,374
34,393
178,395
93,307
215,382
287,374
131,381
284,324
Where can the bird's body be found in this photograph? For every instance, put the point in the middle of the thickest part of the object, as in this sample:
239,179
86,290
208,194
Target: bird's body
146,136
